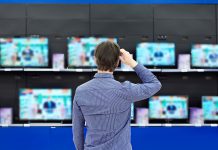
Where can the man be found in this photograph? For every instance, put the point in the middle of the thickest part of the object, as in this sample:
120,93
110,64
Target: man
104,103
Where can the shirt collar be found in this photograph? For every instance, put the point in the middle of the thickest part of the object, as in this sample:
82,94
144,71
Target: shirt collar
103,75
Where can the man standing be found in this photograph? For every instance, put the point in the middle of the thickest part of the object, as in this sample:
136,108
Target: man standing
105,104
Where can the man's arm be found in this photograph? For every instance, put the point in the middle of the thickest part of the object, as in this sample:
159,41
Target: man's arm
78,126
150,84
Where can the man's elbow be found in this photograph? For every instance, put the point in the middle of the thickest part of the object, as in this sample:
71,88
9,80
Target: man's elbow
158,85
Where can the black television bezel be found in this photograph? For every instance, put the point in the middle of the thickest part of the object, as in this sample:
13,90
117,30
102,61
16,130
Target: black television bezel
169,120
63,121
160,66
200,67
84,67
26,67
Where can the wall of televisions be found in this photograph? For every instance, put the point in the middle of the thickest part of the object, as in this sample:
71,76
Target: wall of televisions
54,104
46,51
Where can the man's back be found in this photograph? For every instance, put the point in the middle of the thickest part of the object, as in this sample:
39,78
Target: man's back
104,104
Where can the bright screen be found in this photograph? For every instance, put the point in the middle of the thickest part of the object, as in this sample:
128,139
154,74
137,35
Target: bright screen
204,55
45,104
132,111
210,107
81,50
6,116
24,52
156,54
168,107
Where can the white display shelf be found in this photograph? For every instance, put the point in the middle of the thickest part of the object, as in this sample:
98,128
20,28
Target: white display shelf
94,70
132,125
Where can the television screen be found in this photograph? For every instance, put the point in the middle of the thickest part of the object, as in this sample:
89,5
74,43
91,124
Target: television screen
24,52
168,107
196,116
210,107
156,54
6,116
132,111
204,55
81,50
45,104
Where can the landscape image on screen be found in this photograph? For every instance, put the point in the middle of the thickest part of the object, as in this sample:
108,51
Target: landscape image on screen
210,107
24,52
6,116
156,54
204,55
45,104
168,107
81,50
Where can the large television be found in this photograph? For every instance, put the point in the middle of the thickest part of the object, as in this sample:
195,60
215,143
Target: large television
45,104
6,116
81,50
156,54
204,56
24,52
210,108
168,107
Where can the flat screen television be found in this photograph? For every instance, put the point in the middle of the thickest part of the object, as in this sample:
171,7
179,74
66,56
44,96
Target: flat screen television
204,56
81,50
168,107
6,116
45,104
156,54
24,52
210,108
196,116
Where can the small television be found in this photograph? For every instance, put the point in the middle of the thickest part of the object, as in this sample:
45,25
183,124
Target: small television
81,51
45,104
156,54
204,56
210,108
168,107
24,52
6,116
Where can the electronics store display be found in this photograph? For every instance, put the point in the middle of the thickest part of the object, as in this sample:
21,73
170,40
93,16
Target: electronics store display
24,52
45,104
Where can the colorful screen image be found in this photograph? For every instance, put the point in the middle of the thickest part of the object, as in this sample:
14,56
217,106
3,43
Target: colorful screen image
45,104
204,55
132,111
156,54
6,116
24,52
196,116
168,107
81,50
210,107
142,116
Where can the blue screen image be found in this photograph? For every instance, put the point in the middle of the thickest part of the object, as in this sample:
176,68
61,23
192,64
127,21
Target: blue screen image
210,107
168,107
156,54
204,55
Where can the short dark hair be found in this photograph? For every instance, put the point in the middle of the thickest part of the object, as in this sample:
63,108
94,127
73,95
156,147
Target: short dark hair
107,56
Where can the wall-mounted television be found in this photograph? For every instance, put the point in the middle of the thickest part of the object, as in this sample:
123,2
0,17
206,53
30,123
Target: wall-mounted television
204,56
156,54
24,52
6,116
81,50
168,107
210,108
45,104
